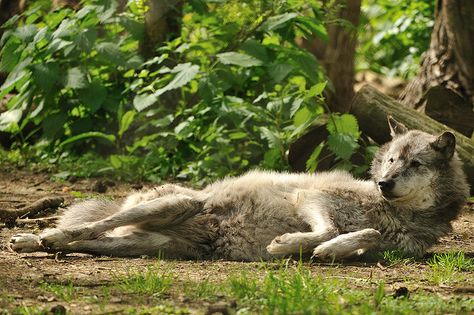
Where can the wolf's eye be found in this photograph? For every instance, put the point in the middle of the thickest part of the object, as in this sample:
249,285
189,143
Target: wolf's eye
415,163
390,160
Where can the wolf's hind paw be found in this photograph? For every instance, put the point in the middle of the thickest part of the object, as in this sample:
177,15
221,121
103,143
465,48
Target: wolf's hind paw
25,243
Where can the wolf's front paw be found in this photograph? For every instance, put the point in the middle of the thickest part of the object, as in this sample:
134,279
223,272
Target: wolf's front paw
285,244
54,238
324,252
25,243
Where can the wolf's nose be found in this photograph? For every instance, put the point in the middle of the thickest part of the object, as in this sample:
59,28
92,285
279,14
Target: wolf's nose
386,185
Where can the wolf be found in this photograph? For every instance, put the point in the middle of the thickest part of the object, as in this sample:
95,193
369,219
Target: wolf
417,188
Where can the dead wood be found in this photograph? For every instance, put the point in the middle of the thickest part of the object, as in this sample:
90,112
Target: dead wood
36,207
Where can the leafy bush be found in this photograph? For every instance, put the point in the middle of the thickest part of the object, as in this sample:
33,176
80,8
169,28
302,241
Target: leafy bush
394,35
233,90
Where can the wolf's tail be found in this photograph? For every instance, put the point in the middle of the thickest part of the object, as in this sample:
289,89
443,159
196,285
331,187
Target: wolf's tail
87,211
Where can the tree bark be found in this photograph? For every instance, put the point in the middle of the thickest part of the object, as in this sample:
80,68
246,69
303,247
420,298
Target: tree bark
372,107
449,61
337,56
161,20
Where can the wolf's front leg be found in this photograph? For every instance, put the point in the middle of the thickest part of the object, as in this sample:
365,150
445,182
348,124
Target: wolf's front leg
349,244
293,243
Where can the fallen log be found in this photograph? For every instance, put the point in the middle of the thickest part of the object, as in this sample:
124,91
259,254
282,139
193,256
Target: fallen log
372,107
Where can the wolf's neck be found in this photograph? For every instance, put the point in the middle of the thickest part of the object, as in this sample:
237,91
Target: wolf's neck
419,200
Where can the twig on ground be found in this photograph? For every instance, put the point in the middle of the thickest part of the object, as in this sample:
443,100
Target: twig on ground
34,208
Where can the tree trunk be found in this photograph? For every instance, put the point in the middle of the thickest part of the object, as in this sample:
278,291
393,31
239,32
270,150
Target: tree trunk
372,107
449,61
161,20
337,56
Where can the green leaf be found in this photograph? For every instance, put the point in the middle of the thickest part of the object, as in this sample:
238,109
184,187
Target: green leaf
343,124
9,120
238,135
53,124
115,161
75,78
126,121
343,145
10,57
278,21
185,72
307,64
315,27
12,80
87,135
58,44
45,75
238,59
295,106
26,32
93,95
316,89
142,101
255,49
278,72
312,162
64,29
110,52
273,139
85,39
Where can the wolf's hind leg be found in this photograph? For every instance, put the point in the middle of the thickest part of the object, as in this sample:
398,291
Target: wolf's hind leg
157,192
135,244
25,243
349,244
164,211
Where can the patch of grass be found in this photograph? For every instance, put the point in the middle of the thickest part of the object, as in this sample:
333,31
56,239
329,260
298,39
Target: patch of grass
446,267
158,310
30,310
202,290
63,292
395,257
152,281
296,290
243,286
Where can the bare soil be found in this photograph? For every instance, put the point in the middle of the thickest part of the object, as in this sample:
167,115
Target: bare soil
22,277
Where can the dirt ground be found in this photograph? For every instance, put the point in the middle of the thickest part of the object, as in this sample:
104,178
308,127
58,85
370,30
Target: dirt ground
22,276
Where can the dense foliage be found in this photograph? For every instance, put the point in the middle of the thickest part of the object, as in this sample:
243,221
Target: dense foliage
233,90
394,34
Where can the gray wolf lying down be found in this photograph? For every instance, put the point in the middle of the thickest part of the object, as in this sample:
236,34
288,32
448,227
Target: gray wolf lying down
417,189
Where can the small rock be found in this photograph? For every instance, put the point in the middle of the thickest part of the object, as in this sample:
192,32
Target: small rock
222,308
401,292
109,183
137,186
99,187
58,310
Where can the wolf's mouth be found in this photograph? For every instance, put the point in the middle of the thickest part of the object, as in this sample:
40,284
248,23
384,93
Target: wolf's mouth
389,196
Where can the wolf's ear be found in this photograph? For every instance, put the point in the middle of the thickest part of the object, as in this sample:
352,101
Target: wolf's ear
396,128
445,144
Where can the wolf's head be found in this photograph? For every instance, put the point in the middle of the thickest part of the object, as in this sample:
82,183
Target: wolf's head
416,169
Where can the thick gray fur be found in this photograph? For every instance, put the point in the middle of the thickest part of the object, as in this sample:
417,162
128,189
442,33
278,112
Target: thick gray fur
262,215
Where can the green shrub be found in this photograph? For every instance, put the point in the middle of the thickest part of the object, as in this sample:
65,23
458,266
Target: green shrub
234,90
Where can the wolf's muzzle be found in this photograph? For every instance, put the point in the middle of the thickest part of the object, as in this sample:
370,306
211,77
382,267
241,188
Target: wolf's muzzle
386,185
